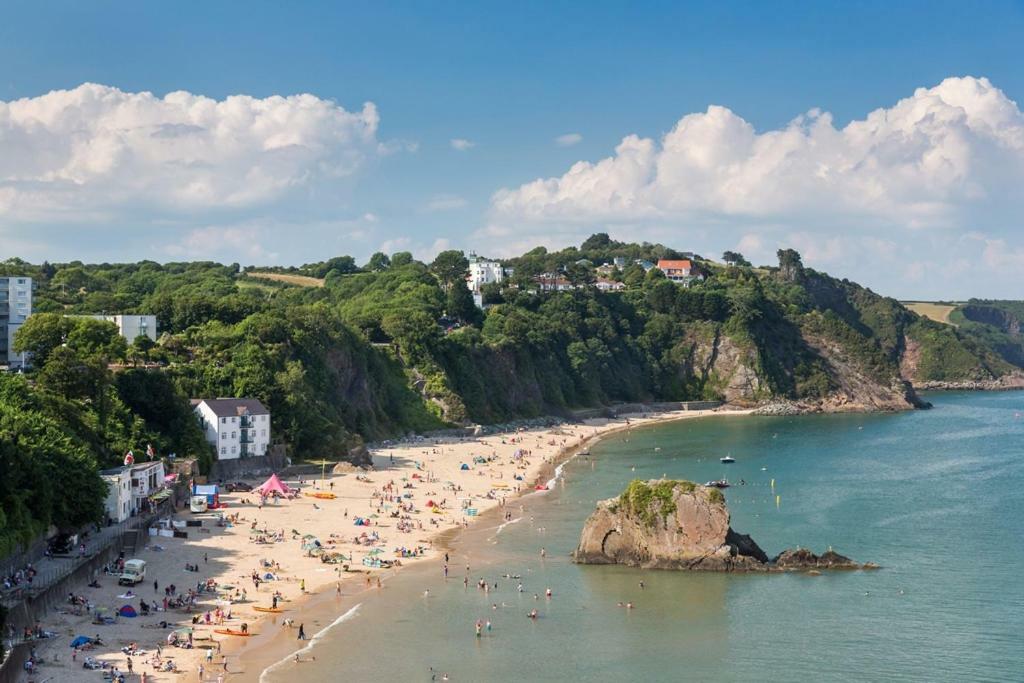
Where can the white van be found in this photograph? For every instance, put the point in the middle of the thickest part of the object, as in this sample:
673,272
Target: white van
134,572
198,504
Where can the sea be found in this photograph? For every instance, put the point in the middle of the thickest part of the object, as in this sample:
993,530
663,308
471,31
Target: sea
935,497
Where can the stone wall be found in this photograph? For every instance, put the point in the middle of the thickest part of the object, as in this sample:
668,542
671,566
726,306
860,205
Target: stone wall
257,466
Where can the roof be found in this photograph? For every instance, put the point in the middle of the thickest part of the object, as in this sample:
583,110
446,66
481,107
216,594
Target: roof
682,264
231,407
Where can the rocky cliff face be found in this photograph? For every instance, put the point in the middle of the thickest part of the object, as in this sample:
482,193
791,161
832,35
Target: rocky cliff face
665,524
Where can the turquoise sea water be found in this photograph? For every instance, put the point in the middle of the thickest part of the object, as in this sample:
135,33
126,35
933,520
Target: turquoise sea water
935,497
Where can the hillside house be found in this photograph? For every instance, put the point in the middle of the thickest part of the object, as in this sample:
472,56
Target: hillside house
235,427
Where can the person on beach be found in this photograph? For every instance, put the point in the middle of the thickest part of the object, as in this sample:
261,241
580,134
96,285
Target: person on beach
302,631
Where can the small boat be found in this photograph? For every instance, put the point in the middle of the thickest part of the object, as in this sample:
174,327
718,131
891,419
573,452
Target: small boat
587,452
272,610
719,484
541,487
727,459
323,495
232,632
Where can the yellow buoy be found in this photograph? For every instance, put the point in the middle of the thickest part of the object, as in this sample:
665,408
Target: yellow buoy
777,500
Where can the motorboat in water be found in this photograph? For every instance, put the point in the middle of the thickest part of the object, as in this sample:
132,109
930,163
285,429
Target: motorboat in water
719,484
727,459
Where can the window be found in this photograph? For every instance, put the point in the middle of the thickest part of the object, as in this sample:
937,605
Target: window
264,432
232,449
223,420
233,434
223,450
234,419
223,435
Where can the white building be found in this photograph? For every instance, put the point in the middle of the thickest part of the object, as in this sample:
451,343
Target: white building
147,479
483,272
15,308
236,427
606,285
132,326
119,493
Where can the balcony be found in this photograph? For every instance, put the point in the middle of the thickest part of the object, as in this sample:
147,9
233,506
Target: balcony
247,422
246,437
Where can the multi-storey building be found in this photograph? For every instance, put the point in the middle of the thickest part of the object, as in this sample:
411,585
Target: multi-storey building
236,427
15,308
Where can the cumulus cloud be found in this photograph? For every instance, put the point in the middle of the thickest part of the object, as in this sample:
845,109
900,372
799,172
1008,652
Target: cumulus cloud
920,163
462,144
96,152
568,140
946,159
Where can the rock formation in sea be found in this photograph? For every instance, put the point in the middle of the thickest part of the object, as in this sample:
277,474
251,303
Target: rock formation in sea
668,524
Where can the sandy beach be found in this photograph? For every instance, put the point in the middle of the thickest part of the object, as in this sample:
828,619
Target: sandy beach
418,493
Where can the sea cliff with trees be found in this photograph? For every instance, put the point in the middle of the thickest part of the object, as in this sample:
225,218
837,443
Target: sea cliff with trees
397,346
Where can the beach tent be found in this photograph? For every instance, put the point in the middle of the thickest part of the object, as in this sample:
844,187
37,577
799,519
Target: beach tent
80,641
273,485
463,466
127,611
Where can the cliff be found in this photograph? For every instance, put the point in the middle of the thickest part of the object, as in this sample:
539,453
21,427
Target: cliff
666,524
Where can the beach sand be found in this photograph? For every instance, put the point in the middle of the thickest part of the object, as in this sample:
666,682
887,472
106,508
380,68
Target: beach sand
426,470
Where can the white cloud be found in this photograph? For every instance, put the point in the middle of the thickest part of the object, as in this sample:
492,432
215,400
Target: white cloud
943,161
225,243
97,153
922,163
568,140
462,144
445,202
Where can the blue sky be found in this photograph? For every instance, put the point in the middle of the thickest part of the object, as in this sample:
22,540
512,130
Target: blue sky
510,78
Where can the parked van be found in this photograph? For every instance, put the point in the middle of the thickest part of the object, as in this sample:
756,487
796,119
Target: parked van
134,572
198,504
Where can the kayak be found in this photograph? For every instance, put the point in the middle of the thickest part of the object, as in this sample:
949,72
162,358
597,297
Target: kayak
272,610
324,496
232,632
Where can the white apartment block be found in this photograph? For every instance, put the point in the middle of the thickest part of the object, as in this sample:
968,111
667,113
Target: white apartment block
15,308
235,427
132,326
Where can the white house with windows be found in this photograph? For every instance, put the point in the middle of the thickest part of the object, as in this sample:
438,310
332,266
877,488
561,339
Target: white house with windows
119,504
236,427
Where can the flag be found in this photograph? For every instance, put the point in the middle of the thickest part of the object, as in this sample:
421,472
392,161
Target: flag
150,453
129,458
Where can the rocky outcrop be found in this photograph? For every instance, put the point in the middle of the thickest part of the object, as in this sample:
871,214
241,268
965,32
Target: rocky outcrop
1006,382
666,524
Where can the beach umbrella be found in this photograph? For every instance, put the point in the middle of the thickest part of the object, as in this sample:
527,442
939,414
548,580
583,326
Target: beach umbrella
80,641
308,536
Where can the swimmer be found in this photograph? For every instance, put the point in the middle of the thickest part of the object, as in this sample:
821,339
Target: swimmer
547,593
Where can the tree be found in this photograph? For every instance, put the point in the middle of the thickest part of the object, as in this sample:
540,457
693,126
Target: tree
596,242
401,258
580,274
790,266
633,275
379,262
735,258
142,345
450,267
459,303
40,335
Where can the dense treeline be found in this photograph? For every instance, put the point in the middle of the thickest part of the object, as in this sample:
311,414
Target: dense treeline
396,345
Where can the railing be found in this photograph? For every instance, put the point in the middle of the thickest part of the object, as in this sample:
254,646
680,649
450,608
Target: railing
57,568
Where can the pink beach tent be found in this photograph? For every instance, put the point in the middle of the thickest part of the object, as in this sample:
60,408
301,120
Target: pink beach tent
273,485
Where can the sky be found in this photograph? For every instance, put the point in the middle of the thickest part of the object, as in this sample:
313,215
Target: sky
882,140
